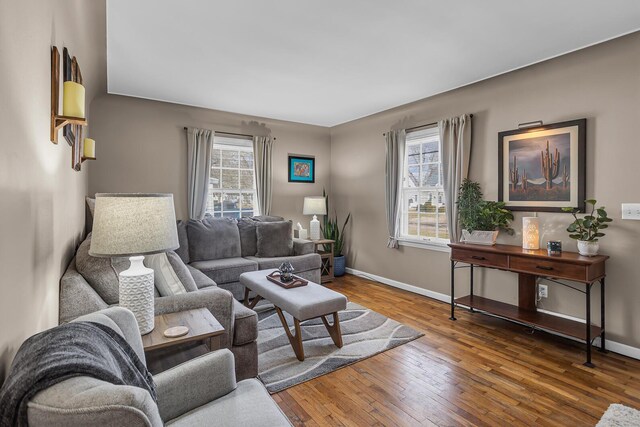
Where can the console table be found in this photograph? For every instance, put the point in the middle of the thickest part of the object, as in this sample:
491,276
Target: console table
530,265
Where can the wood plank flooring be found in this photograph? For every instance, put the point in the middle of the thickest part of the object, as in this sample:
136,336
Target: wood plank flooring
477,371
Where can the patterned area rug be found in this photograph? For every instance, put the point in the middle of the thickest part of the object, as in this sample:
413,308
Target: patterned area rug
364,333
620,416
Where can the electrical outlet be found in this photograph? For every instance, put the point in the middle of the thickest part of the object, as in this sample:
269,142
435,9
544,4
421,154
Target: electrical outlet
543,291
631,211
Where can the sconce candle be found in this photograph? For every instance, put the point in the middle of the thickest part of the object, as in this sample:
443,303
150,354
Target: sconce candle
89,151
530,233
73,99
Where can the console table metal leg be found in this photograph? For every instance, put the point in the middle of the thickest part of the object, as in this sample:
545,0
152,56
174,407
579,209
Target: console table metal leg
453,304
588,294
471,284
603,346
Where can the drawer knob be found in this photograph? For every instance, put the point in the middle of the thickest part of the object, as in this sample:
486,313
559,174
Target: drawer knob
541,267
480,258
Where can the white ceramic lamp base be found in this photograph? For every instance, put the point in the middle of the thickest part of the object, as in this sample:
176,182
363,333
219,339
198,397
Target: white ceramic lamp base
314,229
136,293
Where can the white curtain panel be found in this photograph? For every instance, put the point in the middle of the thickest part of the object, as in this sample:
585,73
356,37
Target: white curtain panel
262,153
199,146
394,143
455,134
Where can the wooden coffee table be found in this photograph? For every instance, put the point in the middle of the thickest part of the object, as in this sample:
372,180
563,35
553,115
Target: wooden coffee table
163,353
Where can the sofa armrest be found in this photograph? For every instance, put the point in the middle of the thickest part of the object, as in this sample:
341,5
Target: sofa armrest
77,297
195,383
201,279
218,301
303,247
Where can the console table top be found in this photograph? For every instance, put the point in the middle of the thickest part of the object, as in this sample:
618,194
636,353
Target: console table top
569,257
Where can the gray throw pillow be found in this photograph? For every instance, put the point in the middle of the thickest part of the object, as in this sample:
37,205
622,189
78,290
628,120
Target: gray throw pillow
182,271
101,273
213,238
165,278
274,239
183,240
248,238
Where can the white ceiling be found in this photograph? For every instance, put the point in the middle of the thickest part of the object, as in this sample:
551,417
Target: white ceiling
327,62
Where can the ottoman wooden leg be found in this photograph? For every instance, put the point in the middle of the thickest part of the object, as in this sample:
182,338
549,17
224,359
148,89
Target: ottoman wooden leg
334,330
294,340
253,302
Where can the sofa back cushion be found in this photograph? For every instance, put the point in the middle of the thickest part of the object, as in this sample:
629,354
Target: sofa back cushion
183,240
274,239
248,236
213,238
101,273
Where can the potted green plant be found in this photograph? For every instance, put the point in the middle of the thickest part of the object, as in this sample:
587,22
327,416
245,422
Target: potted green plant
331,230
481,220
587,230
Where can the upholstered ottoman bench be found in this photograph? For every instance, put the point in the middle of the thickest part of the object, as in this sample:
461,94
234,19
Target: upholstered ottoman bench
303,303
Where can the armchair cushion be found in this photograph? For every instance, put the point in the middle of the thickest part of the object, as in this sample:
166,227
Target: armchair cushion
195,383
213,238
274,239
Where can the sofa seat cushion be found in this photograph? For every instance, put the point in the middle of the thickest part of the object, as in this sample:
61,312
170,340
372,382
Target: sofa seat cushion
299,263
225,270
248,405
213,238
201,280
245,327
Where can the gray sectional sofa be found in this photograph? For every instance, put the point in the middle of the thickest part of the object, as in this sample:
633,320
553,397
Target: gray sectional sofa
212,255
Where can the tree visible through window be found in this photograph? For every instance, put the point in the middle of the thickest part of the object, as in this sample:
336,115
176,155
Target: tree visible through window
423,215
232,188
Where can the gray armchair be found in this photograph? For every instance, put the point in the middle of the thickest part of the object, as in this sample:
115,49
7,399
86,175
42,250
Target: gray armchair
202,391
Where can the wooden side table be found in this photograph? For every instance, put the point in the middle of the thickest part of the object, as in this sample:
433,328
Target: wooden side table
163,353
326,270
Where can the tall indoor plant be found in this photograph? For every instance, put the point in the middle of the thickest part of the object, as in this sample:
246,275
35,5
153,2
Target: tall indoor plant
481,220
332,230
587,230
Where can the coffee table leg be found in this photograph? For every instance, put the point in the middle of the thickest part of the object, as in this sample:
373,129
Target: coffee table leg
294,340
334,330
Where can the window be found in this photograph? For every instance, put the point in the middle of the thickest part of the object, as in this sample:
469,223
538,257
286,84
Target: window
232,185
423,215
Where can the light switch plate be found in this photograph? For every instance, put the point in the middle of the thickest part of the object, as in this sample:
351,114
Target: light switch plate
631,211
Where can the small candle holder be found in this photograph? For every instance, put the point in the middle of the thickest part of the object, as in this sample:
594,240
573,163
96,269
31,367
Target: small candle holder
554,247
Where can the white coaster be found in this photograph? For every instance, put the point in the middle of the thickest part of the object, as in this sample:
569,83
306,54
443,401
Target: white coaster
176,331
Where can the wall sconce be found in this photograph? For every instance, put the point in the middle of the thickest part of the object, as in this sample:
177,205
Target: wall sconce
530,232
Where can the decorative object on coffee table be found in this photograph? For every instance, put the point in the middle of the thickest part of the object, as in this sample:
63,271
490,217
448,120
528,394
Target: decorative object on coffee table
587,230
134,225
276,278
314,205
286,271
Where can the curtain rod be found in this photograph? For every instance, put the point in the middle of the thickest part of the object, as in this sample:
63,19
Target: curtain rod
422,126
231,134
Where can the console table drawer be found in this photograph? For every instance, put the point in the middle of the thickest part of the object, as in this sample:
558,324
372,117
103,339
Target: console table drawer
480,258
557,269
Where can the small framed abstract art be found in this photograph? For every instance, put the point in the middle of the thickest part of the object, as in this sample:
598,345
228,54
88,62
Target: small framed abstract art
543,168
302,169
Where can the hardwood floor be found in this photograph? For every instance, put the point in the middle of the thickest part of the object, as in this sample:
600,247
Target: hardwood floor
478,370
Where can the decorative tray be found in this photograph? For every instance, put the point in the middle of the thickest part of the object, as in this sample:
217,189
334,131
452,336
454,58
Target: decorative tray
295,283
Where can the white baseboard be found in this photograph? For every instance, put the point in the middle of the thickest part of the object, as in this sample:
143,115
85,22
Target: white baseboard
625,350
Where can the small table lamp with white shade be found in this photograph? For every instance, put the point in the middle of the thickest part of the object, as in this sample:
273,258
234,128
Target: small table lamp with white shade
314,205
134,225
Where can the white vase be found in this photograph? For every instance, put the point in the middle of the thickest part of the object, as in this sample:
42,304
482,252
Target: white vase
587,248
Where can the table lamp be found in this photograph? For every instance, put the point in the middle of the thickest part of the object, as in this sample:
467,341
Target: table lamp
314,205
530,232
134,225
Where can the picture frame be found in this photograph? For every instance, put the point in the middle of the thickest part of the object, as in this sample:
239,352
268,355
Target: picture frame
543,169
302,169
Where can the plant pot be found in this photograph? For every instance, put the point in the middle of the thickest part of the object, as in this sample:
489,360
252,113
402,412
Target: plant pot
588,248
338,266
478,237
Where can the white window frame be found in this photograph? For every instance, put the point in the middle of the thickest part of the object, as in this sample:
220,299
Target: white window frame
406,239
239,144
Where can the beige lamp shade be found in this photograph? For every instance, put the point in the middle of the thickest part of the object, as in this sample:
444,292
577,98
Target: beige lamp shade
133,224
314,205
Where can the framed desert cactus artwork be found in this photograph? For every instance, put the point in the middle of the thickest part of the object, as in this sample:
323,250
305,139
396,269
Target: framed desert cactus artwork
542,168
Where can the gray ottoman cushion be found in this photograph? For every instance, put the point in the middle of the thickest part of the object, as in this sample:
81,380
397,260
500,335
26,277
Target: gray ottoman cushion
245,328
305,302
274,239
299,263
213,238
101,273
225,270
